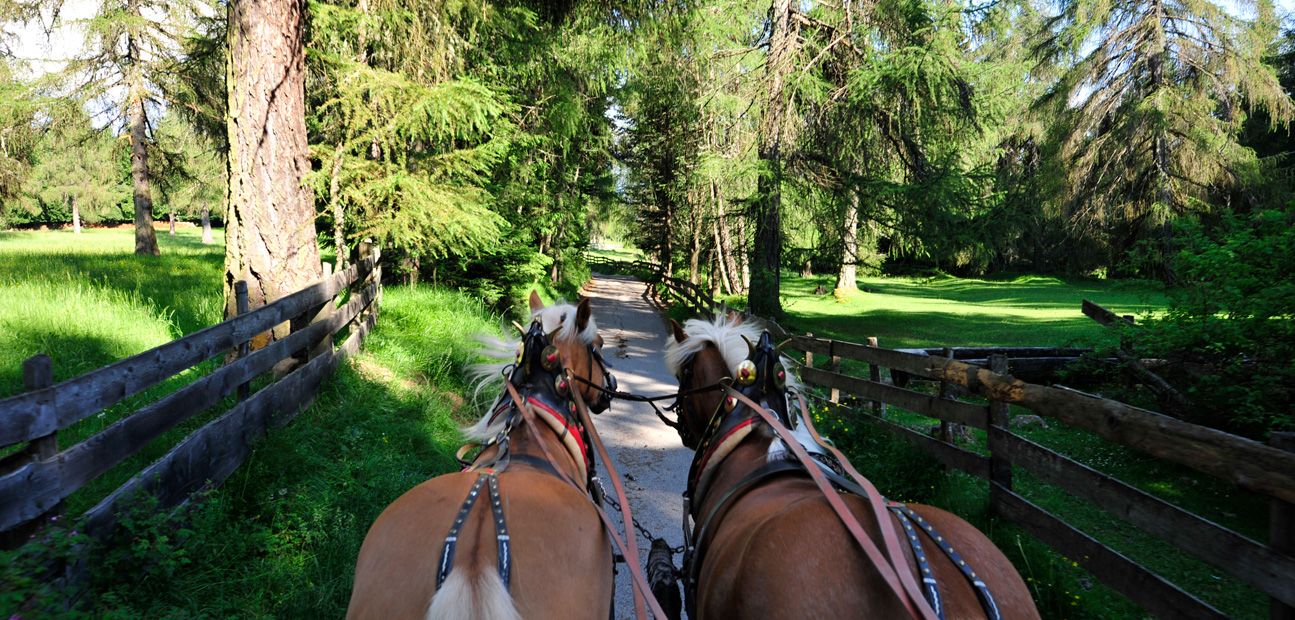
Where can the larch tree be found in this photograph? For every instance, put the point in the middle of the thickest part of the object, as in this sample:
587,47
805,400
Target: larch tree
1149,114
129,46
270,213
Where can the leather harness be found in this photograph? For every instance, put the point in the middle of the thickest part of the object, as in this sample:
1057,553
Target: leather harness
733,414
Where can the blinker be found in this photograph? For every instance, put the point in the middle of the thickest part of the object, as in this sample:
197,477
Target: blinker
561,385
746,373
779,376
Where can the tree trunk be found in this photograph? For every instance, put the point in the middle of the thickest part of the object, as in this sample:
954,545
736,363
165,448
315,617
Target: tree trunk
76,217
206,226
766,252
845,279
172,218
736,286
269,210
145,236
694,248
720,268
743,256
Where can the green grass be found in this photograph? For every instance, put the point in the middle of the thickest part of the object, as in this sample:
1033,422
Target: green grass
926,312
281,537
624,254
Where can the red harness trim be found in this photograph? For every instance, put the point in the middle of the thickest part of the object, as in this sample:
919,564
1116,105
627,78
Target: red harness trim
571,428
705,460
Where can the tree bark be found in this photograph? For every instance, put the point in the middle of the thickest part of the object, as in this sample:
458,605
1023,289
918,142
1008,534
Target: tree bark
172,218
270,215
766,251
145,236
76,217
206,226
694,249
845,279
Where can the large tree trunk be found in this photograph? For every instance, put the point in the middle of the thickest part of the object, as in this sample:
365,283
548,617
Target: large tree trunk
694,247
76,217
270,214
206,226
172,219
766,251
845,279
145,236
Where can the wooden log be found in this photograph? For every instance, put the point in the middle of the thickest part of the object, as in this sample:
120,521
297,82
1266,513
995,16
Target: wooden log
36,414
874,372
325,344
917,402
1161,598
1000,417
1268,570
1281,533
1243,462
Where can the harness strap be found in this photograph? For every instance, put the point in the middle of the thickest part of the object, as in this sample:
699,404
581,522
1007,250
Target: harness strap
929,588
982,591
697,550
630,552
905,589
501,529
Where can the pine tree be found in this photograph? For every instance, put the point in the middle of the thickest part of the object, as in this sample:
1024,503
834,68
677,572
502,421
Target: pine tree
1148,116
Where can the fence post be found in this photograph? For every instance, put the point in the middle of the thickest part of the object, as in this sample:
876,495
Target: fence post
835,366
325,311
809,355
948,430
37,374
1000,469
1281,536
240,295
874,373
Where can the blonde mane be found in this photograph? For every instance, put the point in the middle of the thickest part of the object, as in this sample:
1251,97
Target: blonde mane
726,333
561,316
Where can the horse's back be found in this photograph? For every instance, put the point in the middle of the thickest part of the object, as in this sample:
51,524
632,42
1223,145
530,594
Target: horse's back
561,565
784,553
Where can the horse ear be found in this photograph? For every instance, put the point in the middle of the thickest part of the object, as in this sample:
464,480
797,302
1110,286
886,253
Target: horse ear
677,330
536,303
582,314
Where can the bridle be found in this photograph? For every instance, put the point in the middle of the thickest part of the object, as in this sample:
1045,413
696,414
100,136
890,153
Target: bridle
763,373
540,370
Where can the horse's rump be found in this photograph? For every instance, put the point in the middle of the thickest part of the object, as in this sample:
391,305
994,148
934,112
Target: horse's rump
554,533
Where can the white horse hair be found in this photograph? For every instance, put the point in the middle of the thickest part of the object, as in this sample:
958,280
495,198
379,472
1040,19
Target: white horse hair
726,333
559,315
473,597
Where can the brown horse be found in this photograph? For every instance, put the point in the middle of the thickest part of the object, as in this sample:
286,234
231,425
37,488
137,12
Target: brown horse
766,542
535,547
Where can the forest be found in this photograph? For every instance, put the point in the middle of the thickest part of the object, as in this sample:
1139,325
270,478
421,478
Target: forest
487,146
937,173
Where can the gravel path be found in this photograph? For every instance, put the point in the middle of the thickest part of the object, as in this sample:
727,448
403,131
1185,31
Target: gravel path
643,448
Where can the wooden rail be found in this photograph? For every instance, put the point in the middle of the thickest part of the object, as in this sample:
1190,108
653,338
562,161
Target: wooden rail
1247,464
37,478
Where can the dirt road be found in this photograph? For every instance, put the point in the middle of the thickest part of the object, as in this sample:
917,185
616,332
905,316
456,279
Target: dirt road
648,454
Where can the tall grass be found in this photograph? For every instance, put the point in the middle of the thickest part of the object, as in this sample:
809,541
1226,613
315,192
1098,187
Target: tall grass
281,537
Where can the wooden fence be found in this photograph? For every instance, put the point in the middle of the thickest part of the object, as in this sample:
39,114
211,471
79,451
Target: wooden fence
1268,469
36,478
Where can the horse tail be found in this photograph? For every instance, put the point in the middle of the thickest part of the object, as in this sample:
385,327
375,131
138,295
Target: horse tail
473,597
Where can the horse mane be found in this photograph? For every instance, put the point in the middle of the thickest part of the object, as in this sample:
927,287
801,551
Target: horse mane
726,334
561,316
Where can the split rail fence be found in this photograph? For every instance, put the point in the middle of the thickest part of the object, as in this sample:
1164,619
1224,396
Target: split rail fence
39,475
1251,465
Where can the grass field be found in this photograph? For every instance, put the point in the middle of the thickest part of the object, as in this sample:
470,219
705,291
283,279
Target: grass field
925,312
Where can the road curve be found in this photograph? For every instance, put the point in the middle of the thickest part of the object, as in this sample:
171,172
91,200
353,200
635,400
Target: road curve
649,456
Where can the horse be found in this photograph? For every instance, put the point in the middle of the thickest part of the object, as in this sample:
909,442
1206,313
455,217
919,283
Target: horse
768,542
536,546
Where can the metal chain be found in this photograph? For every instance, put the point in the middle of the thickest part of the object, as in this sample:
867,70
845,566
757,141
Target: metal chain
638,526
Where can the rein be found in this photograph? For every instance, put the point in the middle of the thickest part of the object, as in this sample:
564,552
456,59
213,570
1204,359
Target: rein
902,583
630,550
